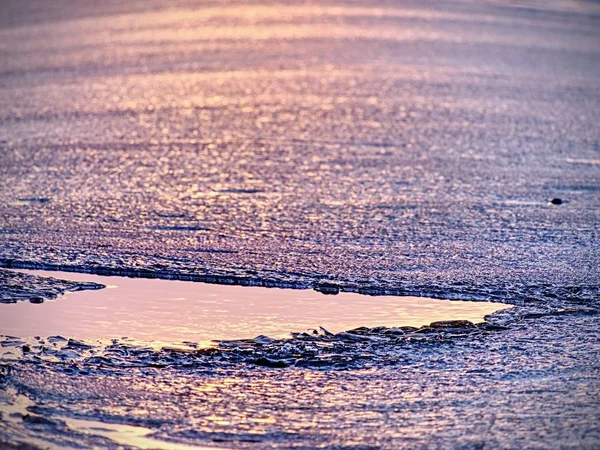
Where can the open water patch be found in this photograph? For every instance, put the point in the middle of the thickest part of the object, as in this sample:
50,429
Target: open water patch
168,311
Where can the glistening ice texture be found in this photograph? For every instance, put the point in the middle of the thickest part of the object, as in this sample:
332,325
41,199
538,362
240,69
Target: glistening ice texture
390,146
399,147
22,287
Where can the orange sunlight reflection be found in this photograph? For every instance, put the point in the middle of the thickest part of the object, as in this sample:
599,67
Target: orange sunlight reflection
164,311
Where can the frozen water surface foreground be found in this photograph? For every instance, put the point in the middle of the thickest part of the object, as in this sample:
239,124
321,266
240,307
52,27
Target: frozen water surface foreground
407,148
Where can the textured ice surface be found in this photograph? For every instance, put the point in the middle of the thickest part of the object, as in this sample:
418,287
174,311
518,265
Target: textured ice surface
404,147
16,286
517,388
401,147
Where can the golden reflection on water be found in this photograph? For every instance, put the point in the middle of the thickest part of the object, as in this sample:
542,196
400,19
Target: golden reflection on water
139,437
128,435
162,313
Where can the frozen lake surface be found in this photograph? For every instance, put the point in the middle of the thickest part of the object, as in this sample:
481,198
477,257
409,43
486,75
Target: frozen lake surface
446,149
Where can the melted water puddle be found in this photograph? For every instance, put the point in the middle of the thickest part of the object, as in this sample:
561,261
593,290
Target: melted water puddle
166,311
